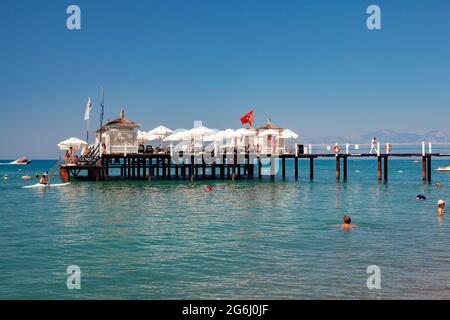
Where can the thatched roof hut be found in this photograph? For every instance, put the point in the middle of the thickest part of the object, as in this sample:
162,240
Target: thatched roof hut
120,123
270,125
119,136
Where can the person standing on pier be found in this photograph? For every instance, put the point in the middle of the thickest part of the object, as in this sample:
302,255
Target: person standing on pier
373,145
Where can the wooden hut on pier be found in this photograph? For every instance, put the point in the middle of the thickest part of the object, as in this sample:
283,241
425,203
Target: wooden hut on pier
271,143
119,136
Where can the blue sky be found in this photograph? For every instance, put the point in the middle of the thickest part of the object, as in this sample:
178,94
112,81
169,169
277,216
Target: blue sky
313,66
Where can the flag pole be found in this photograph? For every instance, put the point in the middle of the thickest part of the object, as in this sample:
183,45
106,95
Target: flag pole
102,108
87,117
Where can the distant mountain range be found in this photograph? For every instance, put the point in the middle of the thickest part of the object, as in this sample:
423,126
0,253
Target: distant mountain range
386,136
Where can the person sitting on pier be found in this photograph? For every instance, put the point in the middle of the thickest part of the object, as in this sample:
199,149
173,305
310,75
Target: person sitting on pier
347,223
85,152
76,159
104,150
68,156
441,207
44,179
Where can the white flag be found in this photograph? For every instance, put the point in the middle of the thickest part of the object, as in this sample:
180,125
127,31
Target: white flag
88,109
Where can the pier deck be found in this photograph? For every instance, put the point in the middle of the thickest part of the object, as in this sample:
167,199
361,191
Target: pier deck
225,166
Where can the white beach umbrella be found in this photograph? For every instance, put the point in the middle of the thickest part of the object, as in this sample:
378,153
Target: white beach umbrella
178,135
210,138
244,132
288,134
269,132
152,137
142,135
160,131
225,134
73,142
200,131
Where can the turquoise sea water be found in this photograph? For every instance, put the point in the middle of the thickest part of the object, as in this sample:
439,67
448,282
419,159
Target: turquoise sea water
246,239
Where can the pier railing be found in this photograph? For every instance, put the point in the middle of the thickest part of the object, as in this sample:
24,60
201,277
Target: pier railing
234,163
380,148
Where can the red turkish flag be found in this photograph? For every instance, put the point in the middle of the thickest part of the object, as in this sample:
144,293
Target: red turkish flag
248,118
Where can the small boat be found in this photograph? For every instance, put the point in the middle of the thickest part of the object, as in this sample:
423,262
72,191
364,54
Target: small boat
443,169
20,161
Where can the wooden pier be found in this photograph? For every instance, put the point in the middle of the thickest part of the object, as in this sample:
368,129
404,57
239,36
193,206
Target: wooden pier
225,166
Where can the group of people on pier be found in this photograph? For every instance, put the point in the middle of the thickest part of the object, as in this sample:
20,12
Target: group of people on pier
70,157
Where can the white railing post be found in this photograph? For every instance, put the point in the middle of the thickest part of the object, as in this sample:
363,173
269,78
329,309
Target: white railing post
310,149
423,148
378,149
296,149
125,150
347,146
429,148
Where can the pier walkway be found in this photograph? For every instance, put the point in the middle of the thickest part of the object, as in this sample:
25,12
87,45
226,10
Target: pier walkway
235,165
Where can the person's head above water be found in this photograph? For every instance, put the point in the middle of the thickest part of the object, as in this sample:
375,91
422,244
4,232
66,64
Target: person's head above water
347,219
421,197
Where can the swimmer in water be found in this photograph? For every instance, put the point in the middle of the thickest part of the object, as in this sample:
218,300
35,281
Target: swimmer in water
441,207
5,177
438,185
421,197
44,179
347,225
26,177
208,187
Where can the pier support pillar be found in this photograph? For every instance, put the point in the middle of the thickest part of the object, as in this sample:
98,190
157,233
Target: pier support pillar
144,167
386,172
272,168
222,167
259,168
311,168
129,167
249,173
150,168
191,167
296,167
203,168
234,162
169,167
429,169
424,168
345,167
338,168
283,167
138,167
379,168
